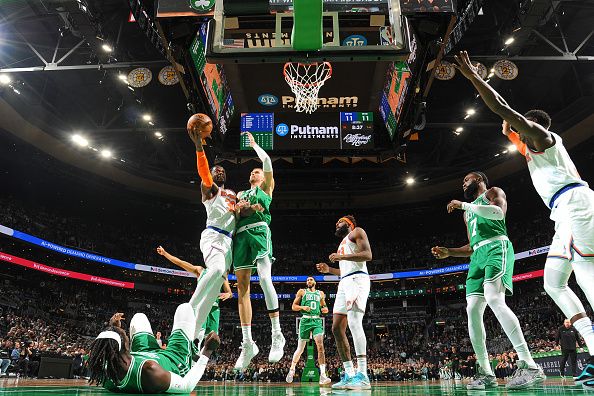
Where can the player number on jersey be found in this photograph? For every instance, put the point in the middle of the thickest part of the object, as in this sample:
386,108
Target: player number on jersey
313,305
473,226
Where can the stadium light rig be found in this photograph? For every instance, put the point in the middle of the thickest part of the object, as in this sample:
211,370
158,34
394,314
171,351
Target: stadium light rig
80,141
105,153
5,79
410,181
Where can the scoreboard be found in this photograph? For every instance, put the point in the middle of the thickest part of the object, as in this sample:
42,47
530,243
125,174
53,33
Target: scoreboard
319,131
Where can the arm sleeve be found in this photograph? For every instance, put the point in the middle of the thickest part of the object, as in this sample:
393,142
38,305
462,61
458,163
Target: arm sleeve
203,170
514,137
187,383
491,212
266,162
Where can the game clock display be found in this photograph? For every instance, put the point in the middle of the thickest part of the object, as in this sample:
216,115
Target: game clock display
319,131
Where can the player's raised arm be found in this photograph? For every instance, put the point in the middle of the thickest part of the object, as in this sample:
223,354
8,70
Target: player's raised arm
441,252
540,137
195,269
207,186
268,185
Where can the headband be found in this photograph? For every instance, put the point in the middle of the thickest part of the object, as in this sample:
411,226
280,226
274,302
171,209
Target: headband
113,336
348,221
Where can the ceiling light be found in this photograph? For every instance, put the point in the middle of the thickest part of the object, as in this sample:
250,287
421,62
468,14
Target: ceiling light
497,155
511,148
151,123
492,70
123,77
509,41
79,140
504,152
5,79
107,48
410,180
490,75
470,112
130,88
456,133
459,129
105,153
158,134
147,117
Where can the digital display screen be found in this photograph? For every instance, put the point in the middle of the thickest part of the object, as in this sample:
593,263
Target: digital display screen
319,131
394,95
214,83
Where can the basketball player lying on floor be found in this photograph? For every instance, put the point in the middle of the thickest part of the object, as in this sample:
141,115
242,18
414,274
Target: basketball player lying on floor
139,365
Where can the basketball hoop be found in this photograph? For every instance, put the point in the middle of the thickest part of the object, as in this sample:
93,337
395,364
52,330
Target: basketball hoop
305,80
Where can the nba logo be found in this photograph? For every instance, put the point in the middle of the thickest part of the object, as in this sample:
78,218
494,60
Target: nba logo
282,129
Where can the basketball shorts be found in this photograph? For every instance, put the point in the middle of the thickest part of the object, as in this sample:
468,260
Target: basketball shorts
251,245
212,242
177,357
307,326
489,263
353,291
212,320
574,225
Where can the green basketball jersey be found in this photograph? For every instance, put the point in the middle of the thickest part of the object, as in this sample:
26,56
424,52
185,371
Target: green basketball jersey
480,228
312,300
255,196
131,382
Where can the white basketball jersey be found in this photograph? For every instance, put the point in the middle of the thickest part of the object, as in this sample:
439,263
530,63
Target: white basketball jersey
348,267
552,169
220,210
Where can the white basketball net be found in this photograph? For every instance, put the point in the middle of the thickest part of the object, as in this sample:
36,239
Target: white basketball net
305,80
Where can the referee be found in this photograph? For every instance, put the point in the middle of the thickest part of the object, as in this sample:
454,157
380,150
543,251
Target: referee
567,338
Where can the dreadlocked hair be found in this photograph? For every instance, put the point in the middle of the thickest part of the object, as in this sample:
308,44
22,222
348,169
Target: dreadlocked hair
103,359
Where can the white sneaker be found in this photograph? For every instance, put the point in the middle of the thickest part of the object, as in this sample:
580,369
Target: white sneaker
324,380
248,351
277,347
290,376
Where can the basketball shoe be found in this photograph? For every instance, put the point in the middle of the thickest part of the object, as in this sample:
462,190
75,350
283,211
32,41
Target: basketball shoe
587,374
248,351
525,377
277,347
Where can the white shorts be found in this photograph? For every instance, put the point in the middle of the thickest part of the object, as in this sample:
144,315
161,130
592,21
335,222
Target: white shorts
212,242
574,225
353,291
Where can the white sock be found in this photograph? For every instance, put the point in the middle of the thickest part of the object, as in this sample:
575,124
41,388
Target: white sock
275,321
348,367
293,364
322,369
246,331
584,327
362,365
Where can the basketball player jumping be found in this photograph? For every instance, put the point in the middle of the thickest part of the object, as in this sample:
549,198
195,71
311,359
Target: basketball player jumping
311,303
489,279
351,299
216,239
139,365
212,321
253,251
558,183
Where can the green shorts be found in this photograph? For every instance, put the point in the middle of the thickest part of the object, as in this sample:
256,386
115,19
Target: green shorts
309,326
212,321
251,245
177,357
489,263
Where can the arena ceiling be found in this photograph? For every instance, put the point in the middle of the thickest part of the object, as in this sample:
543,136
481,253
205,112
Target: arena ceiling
73,94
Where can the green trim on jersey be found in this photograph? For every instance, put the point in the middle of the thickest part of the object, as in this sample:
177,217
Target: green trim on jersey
479,228
255,196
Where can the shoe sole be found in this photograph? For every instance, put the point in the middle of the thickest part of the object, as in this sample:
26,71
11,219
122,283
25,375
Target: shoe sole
356,388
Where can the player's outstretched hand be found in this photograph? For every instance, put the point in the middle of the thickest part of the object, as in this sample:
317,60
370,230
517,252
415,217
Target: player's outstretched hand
160,250
505,128
440,252
251,139
116,319
453,205
323,268
466,67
